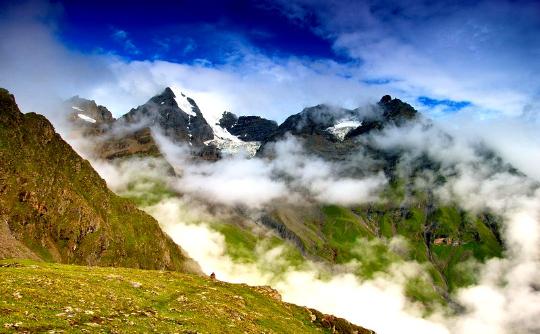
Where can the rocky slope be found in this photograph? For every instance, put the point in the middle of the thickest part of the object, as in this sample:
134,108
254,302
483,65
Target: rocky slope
55,207
178,117
119,300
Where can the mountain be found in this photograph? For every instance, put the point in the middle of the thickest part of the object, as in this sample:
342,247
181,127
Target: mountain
440,236
329,131
394,112
88,111
55,207
178,117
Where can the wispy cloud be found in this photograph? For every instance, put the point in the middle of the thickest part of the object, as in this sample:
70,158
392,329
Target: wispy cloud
122,37
485,52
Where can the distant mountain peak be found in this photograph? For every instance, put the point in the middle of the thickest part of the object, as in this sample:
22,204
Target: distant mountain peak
396,111
88,110
168,91
248,128
227,120
165,98
385,99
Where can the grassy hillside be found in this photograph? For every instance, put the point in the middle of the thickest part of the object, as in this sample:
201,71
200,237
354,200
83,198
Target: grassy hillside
55,207
39,297
447,241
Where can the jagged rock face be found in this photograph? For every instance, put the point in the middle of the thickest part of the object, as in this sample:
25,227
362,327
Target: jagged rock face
312,127
228,120
318,119
55,206
316,127
140,142
248,128
88,117
132,134
394,112
179,124
89,108
326,130
310,121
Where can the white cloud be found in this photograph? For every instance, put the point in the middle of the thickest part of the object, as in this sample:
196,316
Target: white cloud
292,174
378,304
484,52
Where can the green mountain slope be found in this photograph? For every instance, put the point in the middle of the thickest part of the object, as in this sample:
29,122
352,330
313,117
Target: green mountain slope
447,241
55,207
407,223
119,300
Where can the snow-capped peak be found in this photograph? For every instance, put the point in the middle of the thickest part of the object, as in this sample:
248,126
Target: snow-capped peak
223,139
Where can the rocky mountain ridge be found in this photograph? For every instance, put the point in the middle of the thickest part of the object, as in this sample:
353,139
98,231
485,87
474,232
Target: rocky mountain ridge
177,117
180,119
55,207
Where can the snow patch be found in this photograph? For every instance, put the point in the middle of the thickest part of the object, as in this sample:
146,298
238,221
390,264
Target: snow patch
233,147
184,104
77,108
223,139
86,118
341,128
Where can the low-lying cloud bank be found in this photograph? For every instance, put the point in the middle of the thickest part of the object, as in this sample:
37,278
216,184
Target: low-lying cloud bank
291,174
505,300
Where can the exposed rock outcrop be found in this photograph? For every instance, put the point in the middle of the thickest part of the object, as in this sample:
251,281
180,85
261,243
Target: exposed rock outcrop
248,128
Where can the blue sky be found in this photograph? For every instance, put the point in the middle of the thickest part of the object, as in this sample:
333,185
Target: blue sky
186,31
275,57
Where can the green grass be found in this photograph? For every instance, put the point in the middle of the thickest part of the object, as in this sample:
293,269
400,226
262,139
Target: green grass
240,244
342,228
146,191
243,246
40,297
373,256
